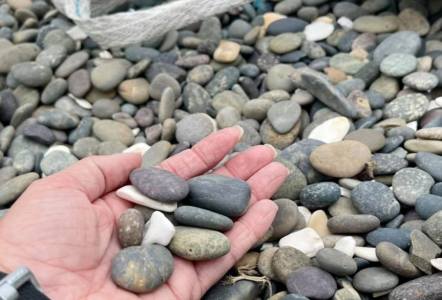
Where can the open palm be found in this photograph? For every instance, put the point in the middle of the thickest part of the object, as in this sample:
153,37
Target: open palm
63,226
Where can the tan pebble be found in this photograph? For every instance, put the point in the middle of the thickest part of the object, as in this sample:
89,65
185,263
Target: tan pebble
359,53
417,145
424,64
434,133
335,75
318,221
227,52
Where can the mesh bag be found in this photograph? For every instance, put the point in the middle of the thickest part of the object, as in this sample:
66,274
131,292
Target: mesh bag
121,29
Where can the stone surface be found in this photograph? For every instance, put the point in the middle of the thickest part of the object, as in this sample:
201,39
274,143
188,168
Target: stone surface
330,131
422,251
373,139
286,218
336,262
398,64
287,260
398,237
193,128
283,115
423,288
396,260
421,81
306,240
108,130
320,195
56,161
158,230
410,183
353,223
408,107
312,282
13,188
130,228
431,163
375,279
433,228
427,205
198,217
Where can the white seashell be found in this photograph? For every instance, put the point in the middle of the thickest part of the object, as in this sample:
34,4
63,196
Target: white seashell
368,253
130,193
158,230
333,130
139,148
346,245
306,240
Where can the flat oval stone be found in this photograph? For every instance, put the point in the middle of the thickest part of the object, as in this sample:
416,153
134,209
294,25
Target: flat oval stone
286,25
376,199
283,115
109,75
434,133
387,163
13,188
417,145
285,42
396,260
193,128
341,159
58,119
141,269
433,228
197,244
428,205
375,279
423,288
408,107
210,192
330,131
286,260
398,237
159,184
108,130
375,24
227,52
56,161
336,262
373,139
410,183
130,228
353,223
430,163
421,81
311,282
319,195
241,289
286,218
32,74
398,64
199,217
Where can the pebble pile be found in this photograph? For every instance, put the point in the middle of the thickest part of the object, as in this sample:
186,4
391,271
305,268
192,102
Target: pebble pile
349,92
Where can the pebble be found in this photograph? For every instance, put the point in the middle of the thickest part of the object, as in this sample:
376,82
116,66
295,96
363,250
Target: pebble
227,52
56,161
193,128
305,240
130,228
31,74
40,134
318,221
158,230
209,192
336,262
134,91
286,25
423,288
376,199
422,251
283,115
375,279
241,289
410,183
285,43
427,205
346,63
278,78
432,228
407,42
286,218
287,260
265,262
346,245
398,237
141,269
421,81
58,119
431,163
396,260
398,64
196,244
373,139
375,24
417,145
108,130
13,188
387,163
434,133
330,131
109,75
341,159
312,282
408,107
319,195
353,223
24,162
203,218
318,31
367,253
159,184
130,193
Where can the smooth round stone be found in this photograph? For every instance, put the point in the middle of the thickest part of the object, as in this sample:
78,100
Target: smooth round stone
398,64
421,81
239,28
341,159
58,119
332,130
39,133
108,130
130,228
376,199
411,19
346,63
311,282
417,145
193,128
160,83
196,244
195,97
283,115
160,185
353,223
343,206
198,217
286,25
286,218
375,24
256,109
396,260
23,161
72,63
423,288
279,141
433,228
56,161
318,31
375,279
13,188
319,195
285,43
398,237
52,56
434,133
428,205
336,262
228,117
79,83
387,163
278,78
84,147
109,75
32,74
287,7
210,191
373,139
294,182
13,55
400,42
223,80
135,91
437,189
431,163
265,262
408,107
286,260
54,90
141,269
105,108
200,74
410,183
227,52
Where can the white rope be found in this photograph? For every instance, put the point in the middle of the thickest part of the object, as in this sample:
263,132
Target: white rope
126,28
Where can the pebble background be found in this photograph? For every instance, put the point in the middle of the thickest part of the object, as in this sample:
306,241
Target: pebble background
348,92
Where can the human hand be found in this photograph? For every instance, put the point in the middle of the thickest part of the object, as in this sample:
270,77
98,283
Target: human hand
63,226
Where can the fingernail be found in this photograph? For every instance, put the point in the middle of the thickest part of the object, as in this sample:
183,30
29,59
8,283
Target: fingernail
275,152
241,131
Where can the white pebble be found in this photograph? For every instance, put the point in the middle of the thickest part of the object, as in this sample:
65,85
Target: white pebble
306,240
437,263
105,55
368,253
432,105
412,125
139,148
333,130
57,148
438,101
305,212
345,192
318,31
158,230
130,193
81,102
76,33
345,23
346,245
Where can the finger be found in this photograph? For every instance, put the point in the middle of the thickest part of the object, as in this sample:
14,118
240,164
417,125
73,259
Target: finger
95,175
204,155
244,234
248,162
267,181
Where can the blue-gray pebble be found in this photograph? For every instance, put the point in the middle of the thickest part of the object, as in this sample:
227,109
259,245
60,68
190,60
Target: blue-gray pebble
399,237
428,205
319,195
431,163
199,217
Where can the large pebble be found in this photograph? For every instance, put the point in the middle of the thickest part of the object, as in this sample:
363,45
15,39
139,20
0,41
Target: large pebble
353,223
320,195
312,282
227,52
398,64
286,218
56,161
130,228
410,183
306,240
283,115
286,260
197,244
32,74
396,260
398,237
199,217
13,188
430,163
408,107
336,262
330,131
400,42
421,81
373,139
423,288
108,130
109,75
193,128
375,279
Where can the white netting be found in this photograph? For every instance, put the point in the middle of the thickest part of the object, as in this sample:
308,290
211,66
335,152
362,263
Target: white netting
126,28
